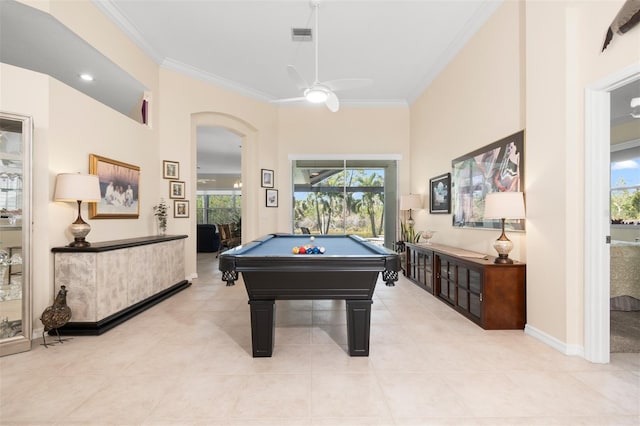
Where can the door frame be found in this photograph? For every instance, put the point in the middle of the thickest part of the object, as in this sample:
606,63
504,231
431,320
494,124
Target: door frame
597,215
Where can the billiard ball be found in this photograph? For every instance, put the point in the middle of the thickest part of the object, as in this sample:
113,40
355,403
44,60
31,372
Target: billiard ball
321,249
312,238
302,250
294,250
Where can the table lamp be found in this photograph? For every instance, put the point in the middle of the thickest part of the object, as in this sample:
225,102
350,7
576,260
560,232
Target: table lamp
504,205
78,187
410,202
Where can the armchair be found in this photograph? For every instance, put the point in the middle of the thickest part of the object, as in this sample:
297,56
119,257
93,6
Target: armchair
208,239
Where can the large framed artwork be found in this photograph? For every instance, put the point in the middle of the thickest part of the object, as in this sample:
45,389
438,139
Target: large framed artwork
495,167
440,196
119,189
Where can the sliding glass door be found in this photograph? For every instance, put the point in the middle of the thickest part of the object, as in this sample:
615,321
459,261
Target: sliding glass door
345,197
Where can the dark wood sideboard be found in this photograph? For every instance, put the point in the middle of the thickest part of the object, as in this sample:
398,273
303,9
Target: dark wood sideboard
491,295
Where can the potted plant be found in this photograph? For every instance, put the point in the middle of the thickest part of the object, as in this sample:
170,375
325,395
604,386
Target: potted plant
161,212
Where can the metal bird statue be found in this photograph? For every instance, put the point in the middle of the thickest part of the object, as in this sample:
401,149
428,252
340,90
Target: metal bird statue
56,315
627,18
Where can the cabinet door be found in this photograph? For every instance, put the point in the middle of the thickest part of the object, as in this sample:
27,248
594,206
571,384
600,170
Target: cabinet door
475,293
463,288
447,280
469,292
423,270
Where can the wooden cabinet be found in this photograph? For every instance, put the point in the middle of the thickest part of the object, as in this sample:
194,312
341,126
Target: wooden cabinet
491,295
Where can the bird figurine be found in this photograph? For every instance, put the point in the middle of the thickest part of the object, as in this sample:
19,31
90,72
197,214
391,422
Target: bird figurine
627,18
56,315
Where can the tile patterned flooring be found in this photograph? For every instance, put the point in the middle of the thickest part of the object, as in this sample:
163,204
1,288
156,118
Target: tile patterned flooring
187,361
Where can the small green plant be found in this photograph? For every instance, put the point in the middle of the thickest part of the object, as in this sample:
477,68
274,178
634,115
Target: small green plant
409,235
161,212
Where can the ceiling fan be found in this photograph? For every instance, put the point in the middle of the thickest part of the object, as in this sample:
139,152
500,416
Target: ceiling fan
321,91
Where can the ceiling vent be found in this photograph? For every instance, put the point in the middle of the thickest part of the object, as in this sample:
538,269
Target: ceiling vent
301,34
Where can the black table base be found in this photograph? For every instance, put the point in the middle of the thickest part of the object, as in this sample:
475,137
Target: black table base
263,326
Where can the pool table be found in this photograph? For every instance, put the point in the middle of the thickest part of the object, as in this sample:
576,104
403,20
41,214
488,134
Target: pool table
348,270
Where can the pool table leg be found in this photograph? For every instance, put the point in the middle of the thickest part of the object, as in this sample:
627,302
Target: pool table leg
358,326
262,326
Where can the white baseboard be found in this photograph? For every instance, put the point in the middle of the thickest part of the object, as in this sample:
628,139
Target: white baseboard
572,350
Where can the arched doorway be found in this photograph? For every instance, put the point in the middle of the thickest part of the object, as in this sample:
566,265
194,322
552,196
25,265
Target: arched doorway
245,133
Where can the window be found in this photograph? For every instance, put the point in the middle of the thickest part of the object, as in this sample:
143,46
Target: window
216,207
345,197
625,183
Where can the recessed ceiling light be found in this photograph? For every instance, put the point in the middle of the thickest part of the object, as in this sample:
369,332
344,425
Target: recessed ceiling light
86,77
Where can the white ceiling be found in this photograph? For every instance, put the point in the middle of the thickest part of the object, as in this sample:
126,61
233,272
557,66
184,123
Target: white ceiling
246,45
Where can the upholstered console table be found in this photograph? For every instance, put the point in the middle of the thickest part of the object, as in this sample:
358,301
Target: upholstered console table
112,281
489,294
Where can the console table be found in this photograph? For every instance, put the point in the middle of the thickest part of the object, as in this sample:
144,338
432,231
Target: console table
110,282
491,295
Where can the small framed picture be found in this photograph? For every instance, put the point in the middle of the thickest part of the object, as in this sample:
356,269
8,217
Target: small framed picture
440,195
267,178
170,169
176,189
272,198
180,208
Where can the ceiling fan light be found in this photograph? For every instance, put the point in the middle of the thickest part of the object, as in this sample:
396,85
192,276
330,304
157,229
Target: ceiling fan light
316,95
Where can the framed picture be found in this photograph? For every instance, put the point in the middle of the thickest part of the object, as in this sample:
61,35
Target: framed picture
440,196
267,178
180,208
119,189
272,198
170,169
176,189
495,167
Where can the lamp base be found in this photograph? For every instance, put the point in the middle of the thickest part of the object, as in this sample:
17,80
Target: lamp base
503,259
503,246
79,229
79,243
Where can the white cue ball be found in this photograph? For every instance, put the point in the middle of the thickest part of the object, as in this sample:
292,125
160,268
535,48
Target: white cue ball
312,238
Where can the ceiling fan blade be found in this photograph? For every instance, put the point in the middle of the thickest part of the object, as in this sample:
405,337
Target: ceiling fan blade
287,100
347,83
332,102
294,75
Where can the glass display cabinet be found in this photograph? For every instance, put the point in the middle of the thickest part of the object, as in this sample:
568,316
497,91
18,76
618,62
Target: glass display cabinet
15,197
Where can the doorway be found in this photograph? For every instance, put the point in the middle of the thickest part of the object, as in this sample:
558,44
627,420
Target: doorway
597,211
219,188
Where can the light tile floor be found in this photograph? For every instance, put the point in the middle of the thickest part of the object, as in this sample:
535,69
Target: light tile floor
188,361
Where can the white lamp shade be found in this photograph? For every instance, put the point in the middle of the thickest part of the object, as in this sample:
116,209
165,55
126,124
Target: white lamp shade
504,205
410,202
76,186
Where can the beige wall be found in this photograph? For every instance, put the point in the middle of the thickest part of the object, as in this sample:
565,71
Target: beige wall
186,102
314,131
565,37
68,126
476,100
527,68
625,132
